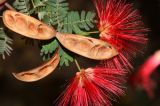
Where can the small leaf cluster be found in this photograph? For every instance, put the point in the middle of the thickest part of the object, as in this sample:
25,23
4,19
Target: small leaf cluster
48,49
75,22
23,6
5,42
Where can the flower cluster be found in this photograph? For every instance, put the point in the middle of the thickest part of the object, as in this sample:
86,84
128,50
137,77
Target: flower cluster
121,37
93,87
143,76
120,25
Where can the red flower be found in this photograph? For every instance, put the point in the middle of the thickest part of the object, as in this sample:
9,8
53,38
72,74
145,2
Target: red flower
120,24
143,77
93,87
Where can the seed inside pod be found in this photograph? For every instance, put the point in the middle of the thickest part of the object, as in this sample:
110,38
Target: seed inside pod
32,28
10,20
21,23
44,30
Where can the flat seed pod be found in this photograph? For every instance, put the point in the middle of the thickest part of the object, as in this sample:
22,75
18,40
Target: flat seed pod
2,1
27,25
39,72
87,47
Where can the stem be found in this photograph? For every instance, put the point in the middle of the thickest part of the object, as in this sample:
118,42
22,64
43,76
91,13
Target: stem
77,64
9,6
93,32
33,4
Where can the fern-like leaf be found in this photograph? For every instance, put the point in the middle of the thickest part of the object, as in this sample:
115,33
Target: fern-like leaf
52,12
22,6
5,42
50,48
75,22
59,10
65,58
37,3
39,7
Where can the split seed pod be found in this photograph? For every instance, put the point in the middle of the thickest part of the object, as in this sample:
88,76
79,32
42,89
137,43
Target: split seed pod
27,26
39,72
87,47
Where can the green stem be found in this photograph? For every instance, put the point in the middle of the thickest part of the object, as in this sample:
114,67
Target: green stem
77,64
93,32
33,4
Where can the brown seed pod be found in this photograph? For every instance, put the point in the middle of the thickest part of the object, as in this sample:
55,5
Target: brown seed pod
2,3
87,47
39,72
27,25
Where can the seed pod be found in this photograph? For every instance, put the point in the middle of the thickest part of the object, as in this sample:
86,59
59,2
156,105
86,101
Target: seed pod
87,47
27,25
39,72
2,3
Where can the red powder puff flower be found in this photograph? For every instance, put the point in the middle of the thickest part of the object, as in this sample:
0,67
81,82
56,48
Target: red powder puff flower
143,77
120,24
93,87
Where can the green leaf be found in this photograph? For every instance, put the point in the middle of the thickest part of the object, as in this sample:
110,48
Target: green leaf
48,49
5,42
59,9
22,6
65,58
76,23
54,11
39,6
37,3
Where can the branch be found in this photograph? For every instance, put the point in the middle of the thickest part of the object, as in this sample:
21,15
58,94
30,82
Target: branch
9,6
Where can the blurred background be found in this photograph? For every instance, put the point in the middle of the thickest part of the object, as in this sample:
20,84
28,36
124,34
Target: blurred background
44,92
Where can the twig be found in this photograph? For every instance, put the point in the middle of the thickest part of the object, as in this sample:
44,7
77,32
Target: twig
78,66
9,6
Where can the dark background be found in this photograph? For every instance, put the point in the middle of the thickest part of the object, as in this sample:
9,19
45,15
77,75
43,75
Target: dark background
46,91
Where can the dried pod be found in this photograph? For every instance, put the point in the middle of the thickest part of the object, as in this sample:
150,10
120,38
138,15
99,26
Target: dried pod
27,26
2,3
87,47
39,72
